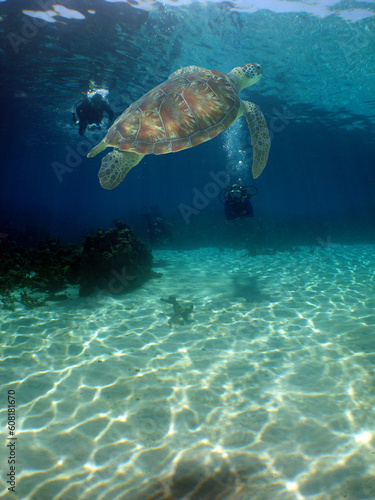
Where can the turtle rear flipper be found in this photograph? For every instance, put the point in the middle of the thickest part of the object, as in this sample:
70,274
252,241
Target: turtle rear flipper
115,165
260,137
97,149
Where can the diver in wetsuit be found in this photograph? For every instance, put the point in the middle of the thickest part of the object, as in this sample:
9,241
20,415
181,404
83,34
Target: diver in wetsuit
90,110
237,203
158,231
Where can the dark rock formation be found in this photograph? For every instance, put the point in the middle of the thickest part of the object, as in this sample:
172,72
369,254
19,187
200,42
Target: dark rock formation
116,261
48,267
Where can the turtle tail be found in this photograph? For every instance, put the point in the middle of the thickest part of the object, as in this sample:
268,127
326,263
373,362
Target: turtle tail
97,149
260,137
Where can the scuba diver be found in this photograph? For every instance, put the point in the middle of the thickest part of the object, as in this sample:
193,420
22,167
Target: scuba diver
90,110
236,201
158,230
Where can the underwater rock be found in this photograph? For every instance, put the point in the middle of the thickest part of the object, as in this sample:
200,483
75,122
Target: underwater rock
180,313
116,261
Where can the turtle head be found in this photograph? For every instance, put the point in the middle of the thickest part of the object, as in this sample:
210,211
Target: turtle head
246,75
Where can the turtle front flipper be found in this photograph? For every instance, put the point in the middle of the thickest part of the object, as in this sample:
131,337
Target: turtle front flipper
115,165
260,137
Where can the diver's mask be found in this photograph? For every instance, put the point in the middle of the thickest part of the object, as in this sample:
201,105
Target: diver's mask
235,193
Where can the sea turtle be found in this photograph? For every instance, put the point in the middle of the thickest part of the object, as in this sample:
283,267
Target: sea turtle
193,106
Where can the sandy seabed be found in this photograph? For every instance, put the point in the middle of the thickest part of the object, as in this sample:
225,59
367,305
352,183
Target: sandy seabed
267,392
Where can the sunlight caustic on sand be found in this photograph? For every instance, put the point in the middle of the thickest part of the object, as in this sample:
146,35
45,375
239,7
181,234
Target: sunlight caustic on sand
266,393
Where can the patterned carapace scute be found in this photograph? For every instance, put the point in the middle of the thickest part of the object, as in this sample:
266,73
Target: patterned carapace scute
192,106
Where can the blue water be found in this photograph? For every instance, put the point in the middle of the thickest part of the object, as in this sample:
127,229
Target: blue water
298,276
316,94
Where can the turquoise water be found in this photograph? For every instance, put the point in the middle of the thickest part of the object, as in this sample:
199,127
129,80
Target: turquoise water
266,389
266,392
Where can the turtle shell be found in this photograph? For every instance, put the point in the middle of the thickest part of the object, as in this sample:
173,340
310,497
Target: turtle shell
192,106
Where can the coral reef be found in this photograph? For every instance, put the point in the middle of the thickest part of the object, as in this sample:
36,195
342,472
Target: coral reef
30,302
180,313
48,267
8,299
116,261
